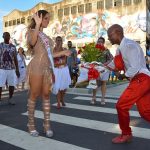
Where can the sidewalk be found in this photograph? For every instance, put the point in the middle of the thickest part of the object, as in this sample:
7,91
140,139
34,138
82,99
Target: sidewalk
113,90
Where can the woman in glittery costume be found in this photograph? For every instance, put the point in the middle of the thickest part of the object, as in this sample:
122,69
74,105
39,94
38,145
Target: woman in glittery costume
40,70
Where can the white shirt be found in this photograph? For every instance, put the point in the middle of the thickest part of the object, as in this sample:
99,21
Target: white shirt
133,58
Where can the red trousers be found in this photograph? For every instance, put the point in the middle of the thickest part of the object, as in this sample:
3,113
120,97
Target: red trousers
137,92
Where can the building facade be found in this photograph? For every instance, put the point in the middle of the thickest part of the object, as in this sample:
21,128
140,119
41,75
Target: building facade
148,23
82,20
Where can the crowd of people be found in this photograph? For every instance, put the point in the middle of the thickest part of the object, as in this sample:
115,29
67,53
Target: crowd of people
52,69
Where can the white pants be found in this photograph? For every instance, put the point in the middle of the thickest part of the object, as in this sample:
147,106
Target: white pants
9,76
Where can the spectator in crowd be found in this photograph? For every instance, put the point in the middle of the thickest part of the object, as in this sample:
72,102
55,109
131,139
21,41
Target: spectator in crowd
131,58
147,57
72,61
61,72
113,77
75,71
105,76
8,66
22,68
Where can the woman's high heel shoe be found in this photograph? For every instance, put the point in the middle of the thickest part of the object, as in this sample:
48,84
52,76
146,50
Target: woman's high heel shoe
49,133
34,132
31,124
46,124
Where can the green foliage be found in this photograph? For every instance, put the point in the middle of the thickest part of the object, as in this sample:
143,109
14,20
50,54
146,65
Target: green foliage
90,53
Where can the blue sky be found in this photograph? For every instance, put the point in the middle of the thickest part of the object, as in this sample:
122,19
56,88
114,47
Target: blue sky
6,6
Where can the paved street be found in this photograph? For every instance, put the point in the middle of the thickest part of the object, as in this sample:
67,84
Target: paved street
78,126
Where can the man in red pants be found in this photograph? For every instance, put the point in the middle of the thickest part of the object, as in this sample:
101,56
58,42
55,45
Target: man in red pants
138,90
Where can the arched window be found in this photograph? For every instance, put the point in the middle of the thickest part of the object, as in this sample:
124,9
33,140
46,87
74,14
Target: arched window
6,24
18,21
127,2
73,9
88,7
137,1
108,4
66,11
100,4
117,3
60,13
10,23
14,22
23,20
81,8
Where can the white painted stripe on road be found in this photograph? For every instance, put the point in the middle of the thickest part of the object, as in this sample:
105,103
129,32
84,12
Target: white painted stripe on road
93,124
4,96
108,95
23,140
97,99
97,109
5,92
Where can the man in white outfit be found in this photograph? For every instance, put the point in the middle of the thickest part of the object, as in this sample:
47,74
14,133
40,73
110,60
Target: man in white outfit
8,66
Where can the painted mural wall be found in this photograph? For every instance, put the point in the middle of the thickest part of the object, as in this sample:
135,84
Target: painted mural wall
18,35
88,27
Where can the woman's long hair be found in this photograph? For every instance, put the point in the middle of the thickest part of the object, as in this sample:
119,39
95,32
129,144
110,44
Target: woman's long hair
32,26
